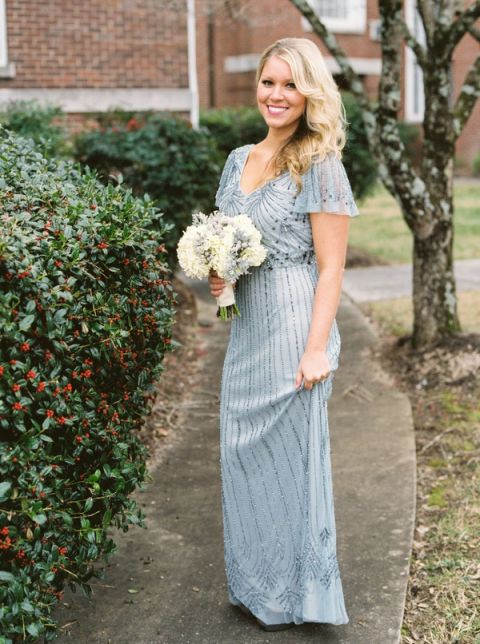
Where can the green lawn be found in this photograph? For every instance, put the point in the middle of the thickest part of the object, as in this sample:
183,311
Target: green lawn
380,230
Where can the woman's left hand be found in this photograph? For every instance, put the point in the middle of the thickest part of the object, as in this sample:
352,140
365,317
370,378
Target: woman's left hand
314,367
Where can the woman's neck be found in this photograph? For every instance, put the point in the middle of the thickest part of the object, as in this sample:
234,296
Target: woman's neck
276,138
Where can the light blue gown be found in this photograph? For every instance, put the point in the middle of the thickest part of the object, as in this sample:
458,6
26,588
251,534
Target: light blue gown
277,501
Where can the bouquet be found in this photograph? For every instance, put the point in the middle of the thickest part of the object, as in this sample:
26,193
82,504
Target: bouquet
227,245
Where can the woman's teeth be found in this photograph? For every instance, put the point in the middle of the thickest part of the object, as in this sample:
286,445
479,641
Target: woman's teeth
276,110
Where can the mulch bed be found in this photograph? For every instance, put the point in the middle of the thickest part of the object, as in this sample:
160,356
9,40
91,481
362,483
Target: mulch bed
443,385
180,366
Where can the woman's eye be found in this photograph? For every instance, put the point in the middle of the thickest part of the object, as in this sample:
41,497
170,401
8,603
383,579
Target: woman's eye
266,82
292,85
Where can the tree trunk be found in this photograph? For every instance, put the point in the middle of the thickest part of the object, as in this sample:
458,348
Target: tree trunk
434,296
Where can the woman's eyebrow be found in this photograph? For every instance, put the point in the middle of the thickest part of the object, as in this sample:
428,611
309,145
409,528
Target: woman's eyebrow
286,80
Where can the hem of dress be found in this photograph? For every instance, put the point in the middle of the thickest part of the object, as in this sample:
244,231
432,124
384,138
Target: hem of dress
288,617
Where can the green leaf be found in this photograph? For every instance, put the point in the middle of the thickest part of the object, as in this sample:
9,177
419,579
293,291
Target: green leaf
6,576
107,517
4,489
33,629
26,323
39,518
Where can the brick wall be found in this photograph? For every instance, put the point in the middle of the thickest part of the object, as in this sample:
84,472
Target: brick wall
97,44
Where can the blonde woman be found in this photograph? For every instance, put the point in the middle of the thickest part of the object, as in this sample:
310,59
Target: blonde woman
277,502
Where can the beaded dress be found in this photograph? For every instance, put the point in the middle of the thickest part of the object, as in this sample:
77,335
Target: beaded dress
277,501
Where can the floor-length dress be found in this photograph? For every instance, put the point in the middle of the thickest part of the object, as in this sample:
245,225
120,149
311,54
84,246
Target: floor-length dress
277,501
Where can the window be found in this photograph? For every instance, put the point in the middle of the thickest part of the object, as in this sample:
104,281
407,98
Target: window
414,94
340,16
3,35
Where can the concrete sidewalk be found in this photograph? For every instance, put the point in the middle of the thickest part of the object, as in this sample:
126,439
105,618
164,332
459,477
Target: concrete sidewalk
374,283
166,585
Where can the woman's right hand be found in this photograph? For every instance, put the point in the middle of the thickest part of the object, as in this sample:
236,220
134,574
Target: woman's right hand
216,283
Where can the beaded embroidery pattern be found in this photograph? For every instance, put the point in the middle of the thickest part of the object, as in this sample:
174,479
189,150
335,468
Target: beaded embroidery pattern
277,499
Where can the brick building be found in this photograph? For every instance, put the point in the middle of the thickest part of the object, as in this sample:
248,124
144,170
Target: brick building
96,54
229,43
140,54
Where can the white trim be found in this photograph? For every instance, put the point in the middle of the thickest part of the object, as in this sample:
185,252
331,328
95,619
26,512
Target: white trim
103,99
241,63
249,62
375,29
3,35
192,65
354,23
414,93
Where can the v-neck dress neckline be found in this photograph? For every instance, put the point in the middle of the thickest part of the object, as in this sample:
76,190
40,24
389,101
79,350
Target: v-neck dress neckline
242,165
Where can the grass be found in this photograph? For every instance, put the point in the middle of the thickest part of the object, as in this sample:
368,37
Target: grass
381,230
395,317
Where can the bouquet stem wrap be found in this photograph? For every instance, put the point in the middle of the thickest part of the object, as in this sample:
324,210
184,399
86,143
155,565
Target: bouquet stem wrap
226,303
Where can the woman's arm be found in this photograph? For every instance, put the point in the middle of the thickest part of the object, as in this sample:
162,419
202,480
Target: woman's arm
330,236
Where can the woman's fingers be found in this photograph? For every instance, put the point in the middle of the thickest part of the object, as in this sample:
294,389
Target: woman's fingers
298,378
217,285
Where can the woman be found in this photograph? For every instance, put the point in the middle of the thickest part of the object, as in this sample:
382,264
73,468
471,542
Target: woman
278,514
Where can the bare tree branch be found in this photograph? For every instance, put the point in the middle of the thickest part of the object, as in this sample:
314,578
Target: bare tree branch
464,23
409,187
475,33
467,98
426,11
414,45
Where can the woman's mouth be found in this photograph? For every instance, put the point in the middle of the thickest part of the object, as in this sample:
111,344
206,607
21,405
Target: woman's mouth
276,109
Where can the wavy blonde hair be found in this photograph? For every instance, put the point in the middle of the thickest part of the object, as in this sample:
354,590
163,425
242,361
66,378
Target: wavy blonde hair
322,127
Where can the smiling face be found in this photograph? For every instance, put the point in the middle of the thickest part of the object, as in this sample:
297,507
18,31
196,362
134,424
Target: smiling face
278,100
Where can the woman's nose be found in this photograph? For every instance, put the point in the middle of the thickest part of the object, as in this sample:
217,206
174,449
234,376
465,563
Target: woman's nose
277,92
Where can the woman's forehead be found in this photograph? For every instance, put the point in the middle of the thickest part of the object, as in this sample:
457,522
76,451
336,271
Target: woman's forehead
275,66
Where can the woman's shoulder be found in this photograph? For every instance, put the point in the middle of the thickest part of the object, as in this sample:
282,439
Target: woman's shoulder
237,153
325,187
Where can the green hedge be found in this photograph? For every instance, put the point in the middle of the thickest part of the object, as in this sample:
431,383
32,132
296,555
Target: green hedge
232,127
43,124
159,155
86,314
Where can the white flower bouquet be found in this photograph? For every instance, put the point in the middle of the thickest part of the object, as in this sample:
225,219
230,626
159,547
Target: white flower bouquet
226,245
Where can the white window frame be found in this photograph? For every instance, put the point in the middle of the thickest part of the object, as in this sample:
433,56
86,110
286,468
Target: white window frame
3,35
414,92
355,23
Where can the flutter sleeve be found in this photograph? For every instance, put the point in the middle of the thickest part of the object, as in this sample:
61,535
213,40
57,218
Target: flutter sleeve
225,178
326,188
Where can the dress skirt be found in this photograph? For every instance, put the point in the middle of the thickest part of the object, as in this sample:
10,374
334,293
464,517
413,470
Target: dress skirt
277,499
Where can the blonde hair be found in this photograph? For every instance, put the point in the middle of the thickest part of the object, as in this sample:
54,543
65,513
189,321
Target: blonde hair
322,127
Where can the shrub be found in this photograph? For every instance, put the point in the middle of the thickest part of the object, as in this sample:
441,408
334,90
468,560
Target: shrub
476,165
359,163
85,319
39,123
232,127
160,155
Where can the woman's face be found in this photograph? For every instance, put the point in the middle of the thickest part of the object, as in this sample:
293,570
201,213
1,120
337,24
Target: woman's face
278,100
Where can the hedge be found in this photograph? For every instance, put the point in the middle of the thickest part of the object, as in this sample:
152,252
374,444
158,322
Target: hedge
160,155
44,124
86,314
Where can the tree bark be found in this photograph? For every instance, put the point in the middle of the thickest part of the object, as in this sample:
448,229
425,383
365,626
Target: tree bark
434,298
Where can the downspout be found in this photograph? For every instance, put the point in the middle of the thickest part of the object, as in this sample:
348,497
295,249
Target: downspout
192,65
